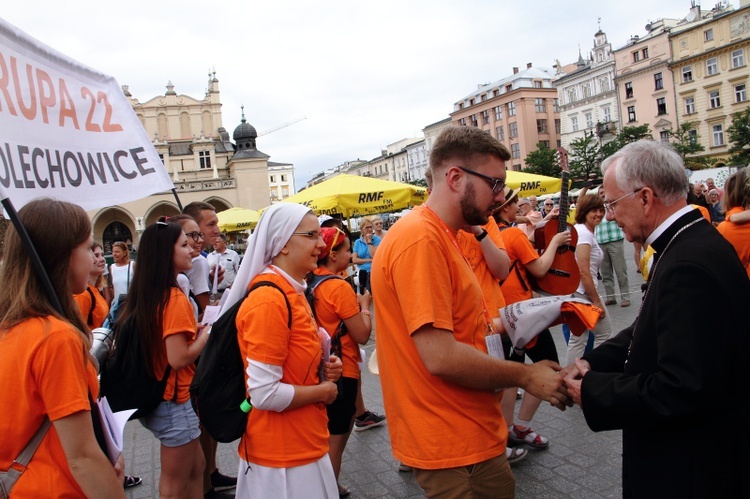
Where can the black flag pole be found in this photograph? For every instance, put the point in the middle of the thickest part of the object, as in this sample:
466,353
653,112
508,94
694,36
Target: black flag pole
177,198
29,245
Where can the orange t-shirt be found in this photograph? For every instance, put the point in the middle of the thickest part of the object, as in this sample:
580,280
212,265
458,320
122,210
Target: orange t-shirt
521,252
101,309
44,369
335,301
738,235
292,437
472,250
178,318
421,278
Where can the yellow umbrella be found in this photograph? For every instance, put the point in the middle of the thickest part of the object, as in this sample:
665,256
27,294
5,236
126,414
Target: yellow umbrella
235,219
532,184
352,196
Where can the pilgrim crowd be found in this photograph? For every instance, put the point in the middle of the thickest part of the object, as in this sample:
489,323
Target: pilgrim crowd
435,282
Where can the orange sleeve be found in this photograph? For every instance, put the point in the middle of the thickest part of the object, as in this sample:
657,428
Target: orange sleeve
178,318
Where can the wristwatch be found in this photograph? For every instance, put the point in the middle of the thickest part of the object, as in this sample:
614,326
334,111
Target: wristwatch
481,236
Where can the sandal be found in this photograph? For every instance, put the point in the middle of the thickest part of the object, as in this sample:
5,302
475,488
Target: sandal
515,454
131,481
344,491
527,436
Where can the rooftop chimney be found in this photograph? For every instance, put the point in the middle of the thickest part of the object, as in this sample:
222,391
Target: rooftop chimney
528,65
515,70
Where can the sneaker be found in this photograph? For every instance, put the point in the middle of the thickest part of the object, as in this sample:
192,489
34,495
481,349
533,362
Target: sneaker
222,482
526,436
515,454
212,494
368,420
404,467
131,481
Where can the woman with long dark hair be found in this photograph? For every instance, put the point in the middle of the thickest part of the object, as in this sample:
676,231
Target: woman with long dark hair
45,368
164,320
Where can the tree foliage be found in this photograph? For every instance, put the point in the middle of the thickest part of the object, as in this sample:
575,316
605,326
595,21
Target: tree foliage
585,157
687,146
543,161
739,137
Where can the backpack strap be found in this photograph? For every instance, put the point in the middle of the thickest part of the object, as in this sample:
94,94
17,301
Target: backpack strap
260,284
19,464
316,281
90,319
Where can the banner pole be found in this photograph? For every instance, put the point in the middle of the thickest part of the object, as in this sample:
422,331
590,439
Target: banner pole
41,273
177,198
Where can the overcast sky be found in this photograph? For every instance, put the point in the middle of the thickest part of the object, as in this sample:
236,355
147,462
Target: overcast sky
366,74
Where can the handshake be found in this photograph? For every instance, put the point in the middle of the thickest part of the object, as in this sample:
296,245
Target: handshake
561,387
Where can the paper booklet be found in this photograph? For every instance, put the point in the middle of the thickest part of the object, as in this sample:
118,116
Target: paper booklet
113,425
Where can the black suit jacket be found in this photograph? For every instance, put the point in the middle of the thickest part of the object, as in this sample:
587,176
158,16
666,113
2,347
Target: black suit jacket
675,380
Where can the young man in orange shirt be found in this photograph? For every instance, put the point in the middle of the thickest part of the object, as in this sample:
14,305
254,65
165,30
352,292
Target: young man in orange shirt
435,332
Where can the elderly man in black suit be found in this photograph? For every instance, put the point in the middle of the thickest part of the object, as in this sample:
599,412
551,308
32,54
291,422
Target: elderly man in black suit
674,380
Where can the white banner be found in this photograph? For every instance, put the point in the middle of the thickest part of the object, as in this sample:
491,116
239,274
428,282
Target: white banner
68,132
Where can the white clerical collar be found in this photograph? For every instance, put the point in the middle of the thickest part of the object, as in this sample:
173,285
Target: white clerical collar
667,223
299,287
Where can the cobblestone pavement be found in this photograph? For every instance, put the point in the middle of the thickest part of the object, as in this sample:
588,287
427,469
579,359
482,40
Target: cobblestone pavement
577,464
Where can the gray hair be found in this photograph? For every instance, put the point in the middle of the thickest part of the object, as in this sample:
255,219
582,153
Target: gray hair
648,163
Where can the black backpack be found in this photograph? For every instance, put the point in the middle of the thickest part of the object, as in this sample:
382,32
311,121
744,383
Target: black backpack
218,391
312,284
125,379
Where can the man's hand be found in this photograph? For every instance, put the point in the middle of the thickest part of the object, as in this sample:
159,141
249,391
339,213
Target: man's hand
333,369
546,382
211,273
574,378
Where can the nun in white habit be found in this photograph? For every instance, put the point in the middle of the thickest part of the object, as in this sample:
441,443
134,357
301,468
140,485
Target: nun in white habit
284,451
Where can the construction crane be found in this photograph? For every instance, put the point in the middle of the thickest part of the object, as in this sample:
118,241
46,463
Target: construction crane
284,125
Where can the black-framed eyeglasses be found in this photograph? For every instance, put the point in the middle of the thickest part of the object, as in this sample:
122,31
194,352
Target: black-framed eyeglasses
197,236
610,207
496,184
549,204
312,234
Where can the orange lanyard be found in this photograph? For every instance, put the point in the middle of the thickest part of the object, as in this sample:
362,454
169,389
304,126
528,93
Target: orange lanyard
487,316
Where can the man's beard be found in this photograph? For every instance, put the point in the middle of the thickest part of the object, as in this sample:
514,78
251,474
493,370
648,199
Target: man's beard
471,213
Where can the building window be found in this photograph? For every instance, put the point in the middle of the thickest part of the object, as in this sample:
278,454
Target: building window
718,133
272,179
714,100
690,105
498,113
693,136
589,120
645,53
462,122
537,84
508,88
572,95
664,136
500,133
485,117
658,82
607,113
515,151
474,121
513,130
484,97
661,106
557,126
712,66
687,74
738,58
636,56
708,35
545,143
631,114
283,178
205,159
541,126
586,90
540,105
604,84
471,102
574,123
556,105
511,108
740,94
628,90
